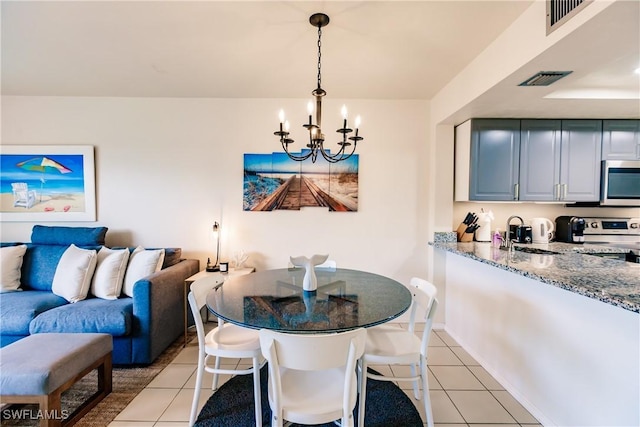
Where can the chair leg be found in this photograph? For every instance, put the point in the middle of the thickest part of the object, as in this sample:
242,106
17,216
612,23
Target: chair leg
425,391
359,374
256,391
416,387
214,385
196,392
363,392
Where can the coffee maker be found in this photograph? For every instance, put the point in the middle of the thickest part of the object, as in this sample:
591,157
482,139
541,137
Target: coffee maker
570,229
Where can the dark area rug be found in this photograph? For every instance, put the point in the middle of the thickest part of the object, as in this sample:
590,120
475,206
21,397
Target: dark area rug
232,405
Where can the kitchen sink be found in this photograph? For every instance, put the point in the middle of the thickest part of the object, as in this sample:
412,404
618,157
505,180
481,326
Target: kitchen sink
629,256
535,250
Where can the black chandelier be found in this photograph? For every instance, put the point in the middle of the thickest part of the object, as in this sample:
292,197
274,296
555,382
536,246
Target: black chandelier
316,137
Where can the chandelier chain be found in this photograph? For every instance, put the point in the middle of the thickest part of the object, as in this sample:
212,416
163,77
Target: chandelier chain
319,57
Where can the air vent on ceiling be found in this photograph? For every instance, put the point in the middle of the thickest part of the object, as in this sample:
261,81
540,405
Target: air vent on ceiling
560,11
544,78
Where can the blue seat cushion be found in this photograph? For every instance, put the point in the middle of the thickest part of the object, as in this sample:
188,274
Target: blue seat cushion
97,315
18,309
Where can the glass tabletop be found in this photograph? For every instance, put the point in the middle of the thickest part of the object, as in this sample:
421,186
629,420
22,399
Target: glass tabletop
274,299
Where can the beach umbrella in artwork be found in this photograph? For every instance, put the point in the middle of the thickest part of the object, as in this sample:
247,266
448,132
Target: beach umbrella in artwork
43,165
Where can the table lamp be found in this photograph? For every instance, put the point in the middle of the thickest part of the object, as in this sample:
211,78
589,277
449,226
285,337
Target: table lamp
216,235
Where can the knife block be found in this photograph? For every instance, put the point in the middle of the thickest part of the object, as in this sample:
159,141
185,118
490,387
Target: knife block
463,236
467,237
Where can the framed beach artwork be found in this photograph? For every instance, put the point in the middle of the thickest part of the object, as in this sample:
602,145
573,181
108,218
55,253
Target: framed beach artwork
41,183
276,182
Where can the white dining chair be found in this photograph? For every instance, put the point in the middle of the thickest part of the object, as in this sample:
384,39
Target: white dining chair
328,265
225,341
394,345
312,377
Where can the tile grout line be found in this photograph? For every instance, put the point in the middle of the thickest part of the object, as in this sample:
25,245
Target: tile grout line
445,390
485,389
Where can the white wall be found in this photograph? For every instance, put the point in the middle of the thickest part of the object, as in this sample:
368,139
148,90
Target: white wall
167,168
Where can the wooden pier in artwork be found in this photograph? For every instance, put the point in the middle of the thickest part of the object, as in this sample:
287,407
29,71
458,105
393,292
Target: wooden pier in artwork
299,192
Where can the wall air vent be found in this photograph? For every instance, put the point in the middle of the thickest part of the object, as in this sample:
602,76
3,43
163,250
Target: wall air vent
544,78
560,11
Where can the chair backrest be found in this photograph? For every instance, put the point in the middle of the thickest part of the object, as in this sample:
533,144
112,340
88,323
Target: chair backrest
424,297
19,186
20,191
313,352
198,298
329,265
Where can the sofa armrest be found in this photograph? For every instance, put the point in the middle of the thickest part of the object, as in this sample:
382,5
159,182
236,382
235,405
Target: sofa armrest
158,309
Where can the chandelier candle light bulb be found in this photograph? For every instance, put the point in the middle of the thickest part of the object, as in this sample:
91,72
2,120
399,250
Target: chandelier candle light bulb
281,117
310,111
343,111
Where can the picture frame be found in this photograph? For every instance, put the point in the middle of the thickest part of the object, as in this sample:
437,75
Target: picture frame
47,183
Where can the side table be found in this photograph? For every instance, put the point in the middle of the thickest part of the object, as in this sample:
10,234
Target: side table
201,274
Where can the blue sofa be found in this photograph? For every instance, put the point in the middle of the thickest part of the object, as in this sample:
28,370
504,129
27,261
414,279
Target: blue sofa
142,326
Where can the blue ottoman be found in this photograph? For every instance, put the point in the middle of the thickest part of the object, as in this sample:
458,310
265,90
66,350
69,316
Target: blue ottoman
38,368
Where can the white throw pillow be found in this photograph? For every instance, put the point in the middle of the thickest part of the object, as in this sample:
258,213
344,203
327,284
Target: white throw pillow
142,263
109,275
73,273
10,265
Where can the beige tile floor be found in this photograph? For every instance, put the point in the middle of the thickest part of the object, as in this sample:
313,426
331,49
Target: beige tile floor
462,392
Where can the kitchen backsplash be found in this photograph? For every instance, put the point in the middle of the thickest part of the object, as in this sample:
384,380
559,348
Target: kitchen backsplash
445,237
502,211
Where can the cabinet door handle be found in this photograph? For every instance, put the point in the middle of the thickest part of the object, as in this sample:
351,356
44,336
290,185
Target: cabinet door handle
564,191
556,191
516,191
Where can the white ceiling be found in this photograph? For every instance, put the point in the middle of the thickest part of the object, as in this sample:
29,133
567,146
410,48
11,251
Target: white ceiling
267,49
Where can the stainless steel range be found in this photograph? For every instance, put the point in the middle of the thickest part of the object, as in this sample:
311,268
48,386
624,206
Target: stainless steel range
623,233
620,232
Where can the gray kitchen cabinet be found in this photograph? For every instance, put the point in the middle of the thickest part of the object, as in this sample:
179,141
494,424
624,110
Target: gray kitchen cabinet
543,160
540,143
495,159
560,160
580,160
621,140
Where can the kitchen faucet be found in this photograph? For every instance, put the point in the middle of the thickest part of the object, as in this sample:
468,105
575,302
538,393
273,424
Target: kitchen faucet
507,243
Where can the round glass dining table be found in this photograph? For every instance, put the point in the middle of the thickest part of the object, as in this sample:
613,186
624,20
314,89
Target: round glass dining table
274,299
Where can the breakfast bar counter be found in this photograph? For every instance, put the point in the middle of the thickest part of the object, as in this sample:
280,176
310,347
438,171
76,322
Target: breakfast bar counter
564,265
557,327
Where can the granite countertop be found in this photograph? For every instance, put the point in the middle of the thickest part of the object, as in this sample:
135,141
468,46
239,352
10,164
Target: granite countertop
570,267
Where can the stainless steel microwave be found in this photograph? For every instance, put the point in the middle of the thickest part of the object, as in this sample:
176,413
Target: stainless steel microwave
620,183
